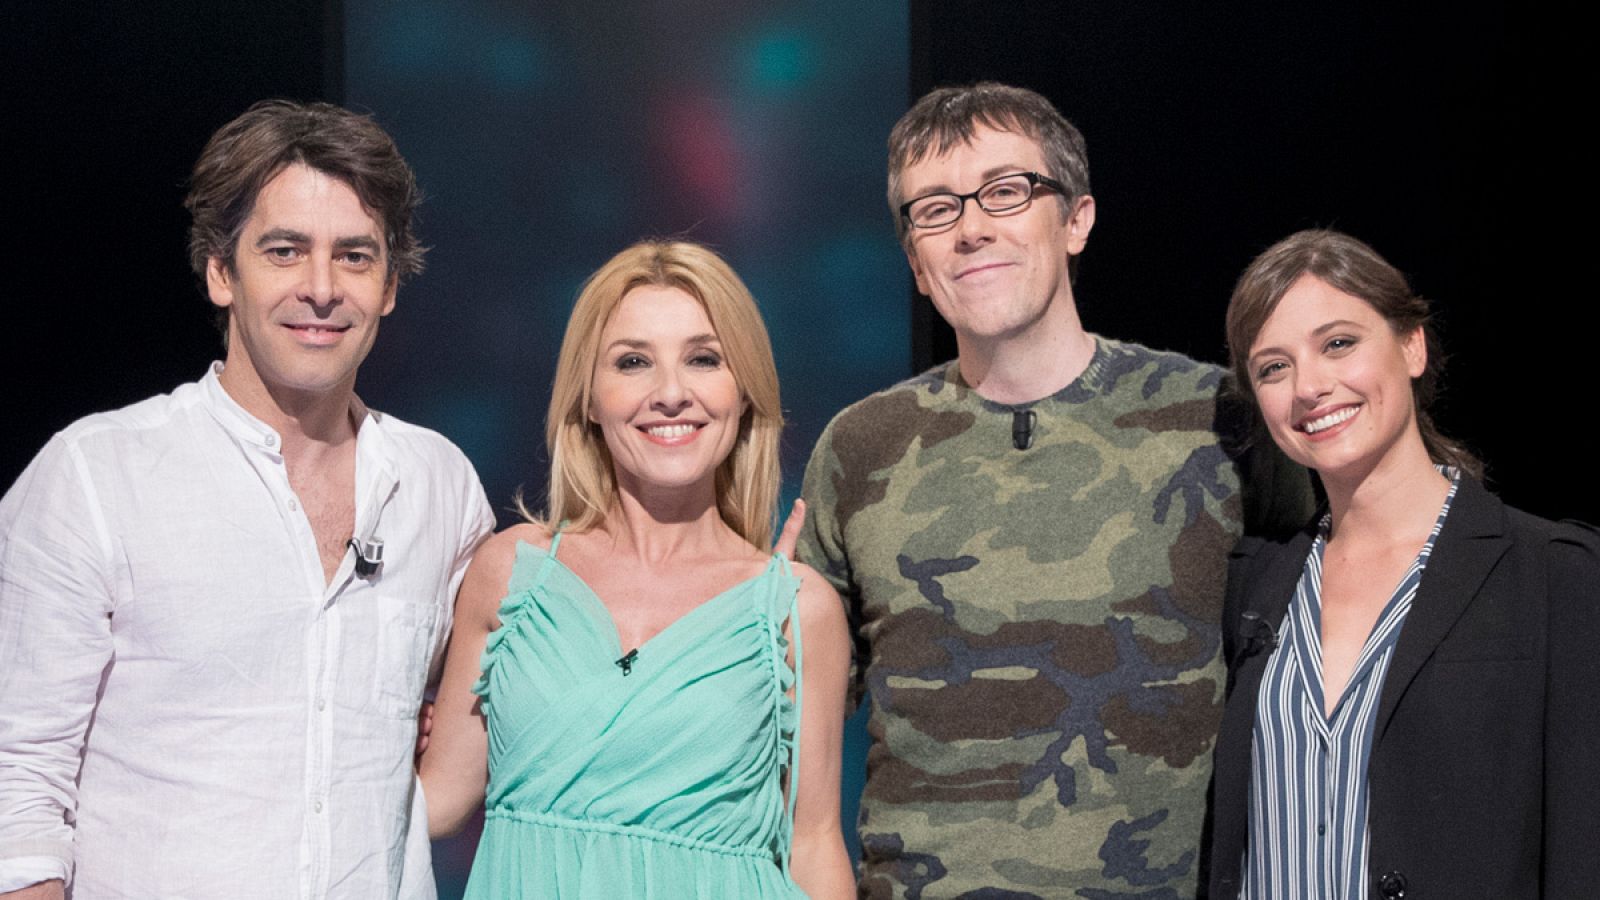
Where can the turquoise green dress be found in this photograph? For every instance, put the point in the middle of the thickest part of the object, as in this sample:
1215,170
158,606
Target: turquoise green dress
655,779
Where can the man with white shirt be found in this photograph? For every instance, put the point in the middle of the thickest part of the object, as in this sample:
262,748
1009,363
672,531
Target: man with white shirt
219,606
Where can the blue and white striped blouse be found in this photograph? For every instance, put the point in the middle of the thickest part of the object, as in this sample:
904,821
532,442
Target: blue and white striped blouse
1308,772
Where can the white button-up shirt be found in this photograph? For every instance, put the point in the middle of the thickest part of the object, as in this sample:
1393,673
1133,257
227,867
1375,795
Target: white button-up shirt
188,709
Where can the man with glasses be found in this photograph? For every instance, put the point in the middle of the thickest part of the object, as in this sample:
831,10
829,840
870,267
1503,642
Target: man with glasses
218,607
1033,543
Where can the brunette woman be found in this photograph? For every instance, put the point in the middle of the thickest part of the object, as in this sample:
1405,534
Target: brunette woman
1414,689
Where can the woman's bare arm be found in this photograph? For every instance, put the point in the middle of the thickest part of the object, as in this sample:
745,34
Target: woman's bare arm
454,767
820,864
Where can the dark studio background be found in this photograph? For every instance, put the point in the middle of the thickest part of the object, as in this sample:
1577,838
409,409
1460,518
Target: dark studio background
548,139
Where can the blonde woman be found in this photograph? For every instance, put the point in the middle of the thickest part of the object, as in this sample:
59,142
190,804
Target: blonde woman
652,700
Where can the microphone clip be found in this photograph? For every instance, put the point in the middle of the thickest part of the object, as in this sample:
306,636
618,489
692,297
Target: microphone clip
1257,634
1022,428
369,556
627,661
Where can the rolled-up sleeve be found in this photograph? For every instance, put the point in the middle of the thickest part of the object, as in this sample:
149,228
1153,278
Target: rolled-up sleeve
55,645
476,524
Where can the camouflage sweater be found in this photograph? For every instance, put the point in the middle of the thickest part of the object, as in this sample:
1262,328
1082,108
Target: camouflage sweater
1039,629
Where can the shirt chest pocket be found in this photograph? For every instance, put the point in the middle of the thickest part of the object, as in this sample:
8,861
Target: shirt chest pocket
388,640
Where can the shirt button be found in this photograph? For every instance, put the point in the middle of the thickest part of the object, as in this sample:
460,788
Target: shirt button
317,806
1321,829
1392,886
321,704
272,440
293,504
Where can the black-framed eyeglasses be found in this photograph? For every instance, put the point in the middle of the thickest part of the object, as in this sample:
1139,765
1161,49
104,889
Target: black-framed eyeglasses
997,195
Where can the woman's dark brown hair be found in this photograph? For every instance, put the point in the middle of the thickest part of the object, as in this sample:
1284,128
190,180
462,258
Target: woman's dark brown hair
1356,269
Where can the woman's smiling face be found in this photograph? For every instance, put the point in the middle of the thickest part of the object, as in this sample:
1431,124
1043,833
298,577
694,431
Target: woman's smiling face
662,393
1333,380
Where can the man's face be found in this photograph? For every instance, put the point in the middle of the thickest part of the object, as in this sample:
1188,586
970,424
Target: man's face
994,277
307,288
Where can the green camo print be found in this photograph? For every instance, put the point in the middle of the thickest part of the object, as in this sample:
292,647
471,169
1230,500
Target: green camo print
1039,630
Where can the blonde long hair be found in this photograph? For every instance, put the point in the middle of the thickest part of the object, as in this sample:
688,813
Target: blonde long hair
583,487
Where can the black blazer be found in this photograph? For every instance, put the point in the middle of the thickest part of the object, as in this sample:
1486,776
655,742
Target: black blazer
1485,771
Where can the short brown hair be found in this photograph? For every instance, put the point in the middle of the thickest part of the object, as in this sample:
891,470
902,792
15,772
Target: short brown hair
252,149
1351,266
948,117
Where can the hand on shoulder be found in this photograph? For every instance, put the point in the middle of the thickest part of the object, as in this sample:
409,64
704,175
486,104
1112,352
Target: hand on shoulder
789,537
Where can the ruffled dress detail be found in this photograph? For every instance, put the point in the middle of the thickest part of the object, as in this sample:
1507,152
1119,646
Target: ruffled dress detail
659,780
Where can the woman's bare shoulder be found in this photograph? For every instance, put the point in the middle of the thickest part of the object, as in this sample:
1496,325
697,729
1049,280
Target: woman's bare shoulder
819,602
812,580
490,572
499,552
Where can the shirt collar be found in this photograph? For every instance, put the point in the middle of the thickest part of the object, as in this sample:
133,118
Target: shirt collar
234,419
1091,382
253,432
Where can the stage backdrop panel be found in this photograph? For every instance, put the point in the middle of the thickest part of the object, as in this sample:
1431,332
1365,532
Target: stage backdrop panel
549,136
